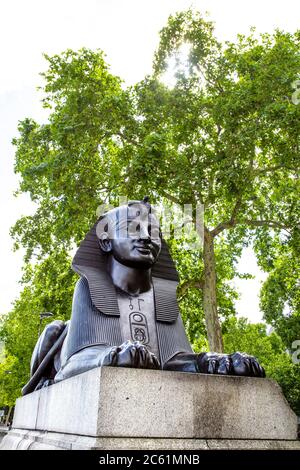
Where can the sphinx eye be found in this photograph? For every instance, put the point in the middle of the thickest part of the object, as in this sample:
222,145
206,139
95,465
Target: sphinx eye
153,231
138,228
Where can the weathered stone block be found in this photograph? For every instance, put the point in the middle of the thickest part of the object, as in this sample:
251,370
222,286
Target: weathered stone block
133,403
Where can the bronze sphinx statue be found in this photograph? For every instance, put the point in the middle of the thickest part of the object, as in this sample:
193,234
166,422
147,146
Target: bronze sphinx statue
125,310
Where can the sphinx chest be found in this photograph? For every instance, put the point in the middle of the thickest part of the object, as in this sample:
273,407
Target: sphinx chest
137,319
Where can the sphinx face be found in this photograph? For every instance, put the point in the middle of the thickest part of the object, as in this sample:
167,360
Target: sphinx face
137,244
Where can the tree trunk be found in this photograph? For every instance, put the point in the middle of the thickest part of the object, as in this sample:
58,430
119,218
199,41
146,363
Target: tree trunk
213,326
8,415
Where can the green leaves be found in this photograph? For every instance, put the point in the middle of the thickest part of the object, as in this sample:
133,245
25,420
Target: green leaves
280,296
270,350
188,27
48,286
225,134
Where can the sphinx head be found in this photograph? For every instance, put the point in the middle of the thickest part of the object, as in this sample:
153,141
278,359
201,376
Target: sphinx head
131,234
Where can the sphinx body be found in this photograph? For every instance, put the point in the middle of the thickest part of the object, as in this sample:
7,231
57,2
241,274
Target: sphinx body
125,311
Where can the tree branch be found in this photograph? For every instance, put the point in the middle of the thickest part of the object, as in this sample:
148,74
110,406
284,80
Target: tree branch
264,223
254,223
198,283
170,197
230,223
261,171
127,139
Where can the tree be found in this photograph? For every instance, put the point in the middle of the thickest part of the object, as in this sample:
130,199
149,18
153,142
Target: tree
270,351
226,135
280,295
8,381
48,286
233,135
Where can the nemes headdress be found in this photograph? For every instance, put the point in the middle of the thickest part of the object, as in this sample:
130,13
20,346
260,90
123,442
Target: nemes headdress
90,262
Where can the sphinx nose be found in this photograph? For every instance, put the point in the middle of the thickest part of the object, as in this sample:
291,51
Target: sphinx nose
144,235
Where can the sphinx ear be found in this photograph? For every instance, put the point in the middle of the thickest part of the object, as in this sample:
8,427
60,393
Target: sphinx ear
105,243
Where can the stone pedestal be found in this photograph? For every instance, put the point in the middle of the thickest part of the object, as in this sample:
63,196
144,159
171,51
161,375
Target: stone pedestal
114,408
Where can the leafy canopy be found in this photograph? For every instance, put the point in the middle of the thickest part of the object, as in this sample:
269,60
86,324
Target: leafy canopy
225,134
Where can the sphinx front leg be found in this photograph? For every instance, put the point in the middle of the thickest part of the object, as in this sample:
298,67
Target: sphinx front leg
131,354
82,361
183,362
239,364
127,354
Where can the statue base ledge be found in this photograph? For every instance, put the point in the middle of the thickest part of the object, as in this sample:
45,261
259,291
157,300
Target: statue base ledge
119,408
20,439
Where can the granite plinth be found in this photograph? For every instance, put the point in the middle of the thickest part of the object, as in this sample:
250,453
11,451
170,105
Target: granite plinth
110,407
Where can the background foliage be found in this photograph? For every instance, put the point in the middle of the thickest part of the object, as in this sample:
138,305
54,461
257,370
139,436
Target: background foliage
225,133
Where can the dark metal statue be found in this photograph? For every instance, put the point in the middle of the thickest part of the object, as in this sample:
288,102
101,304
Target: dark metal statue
125,310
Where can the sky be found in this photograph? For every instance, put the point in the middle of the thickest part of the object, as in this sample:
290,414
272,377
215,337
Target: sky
127,31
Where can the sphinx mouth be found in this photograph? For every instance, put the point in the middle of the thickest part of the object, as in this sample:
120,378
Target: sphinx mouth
144,249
